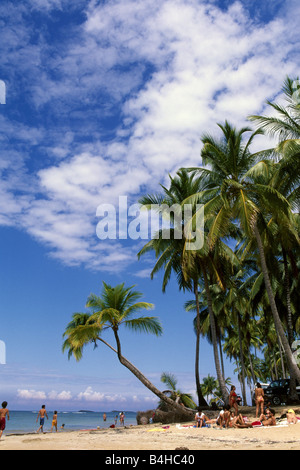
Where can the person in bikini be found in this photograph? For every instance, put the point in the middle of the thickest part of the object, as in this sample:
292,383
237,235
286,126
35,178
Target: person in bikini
4,413
54,421
259,399
232,400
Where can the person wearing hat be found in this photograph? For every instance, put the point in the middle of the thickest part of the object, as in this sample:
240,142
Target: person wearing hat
291,417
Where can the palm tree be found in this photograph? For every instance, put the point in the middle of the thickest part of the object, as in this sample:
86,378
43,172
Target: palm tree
170,249
209,386
286,123
236,184
286,126
174,393
189,265
117,306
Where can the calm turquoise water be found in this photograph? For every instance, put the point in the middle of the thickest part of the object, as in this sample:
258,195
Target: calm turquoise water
25,421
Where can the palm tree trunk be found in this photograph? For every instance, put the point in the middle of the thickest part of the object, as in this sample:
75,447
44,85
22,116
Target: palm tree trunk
201,400
221,357
251,369
221,380
293,369
172,404
288,296
242,361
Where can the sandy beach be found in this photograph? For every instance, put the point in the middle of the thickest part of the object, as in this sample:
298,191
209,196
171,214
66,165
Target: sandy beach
159,437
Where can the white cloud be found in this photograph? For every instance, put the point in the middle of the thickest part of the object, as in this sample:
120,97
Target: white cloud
92,396
169,83
60,396
31,394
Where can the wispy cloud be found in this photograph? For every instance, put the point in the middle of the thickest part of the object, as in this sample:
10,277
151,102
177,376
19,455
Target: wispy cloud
121,102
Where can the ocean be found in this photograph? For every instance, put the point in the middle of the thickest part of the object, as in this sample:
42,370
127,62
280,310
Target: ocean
25,421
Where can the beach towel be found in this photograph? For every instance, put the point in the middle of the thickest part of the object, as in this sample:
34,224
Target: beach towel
164,428
185,426
256,424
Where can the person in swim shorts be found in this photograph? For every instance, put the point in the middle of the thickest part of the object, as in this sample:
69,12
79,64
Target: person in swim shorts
4,413
41,415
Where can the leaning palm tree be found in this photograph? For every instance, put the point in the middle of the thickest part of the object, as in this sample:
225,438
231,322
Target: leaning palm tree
116,307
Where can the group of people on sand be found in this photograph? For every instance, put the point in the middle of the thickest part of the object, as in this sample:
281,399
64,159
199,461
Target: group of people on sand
230,417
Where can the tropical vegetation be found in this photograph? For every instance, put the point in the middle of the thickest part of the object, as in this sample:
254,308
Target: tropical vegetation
243,278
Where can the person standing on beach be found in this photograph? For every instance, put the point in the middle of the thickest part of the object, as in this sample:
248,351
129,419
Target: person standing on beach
232,400
54,421
122,418
4,413
259,399
41,415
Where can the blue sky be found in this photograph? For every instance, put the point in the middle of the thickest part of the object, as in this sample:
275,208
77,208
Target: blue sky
105,99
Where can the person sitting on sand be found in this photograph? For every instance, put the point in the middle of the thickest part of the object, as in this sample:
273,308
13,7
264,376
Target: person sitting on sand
201,419
259,399
4,413
291,417
239,422
232,420
224,417
269,418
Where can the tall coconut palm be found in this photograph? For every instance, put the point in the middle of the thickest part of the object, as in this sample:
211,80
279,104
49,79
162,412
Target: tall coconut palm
235,181
188,265
116,307
169,247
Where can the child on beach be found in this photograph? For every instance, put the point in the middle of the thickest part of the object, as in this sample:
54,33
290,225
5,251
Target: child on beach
4,413
41,415
54,421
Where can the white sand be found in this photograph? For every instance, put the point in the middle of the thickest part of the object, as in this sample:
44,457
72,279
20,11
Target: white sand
153,437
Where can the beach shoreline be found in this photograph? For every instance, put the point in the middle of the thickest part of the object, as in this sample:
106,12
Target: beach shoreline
158,437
